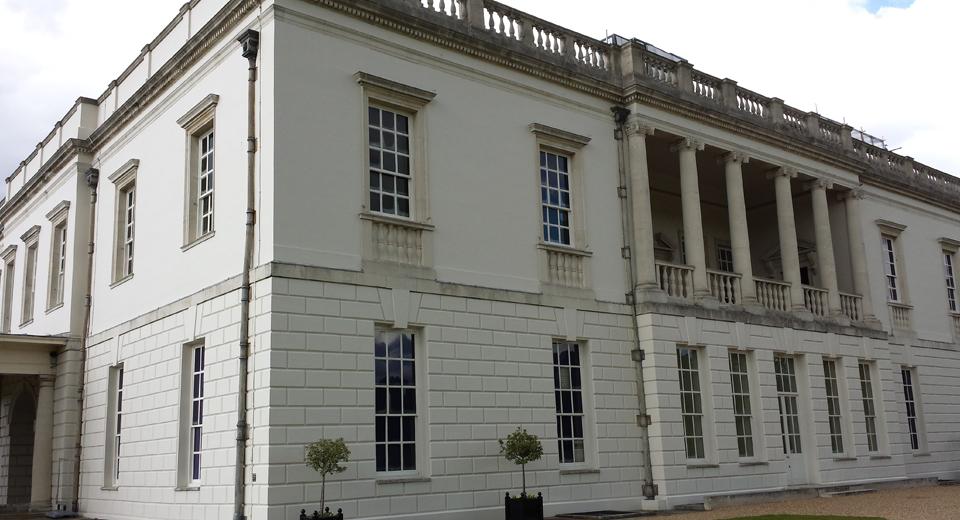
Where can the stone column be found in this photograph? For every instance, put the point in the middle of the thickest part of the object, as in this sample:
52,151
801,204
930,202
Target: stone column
789,251
739,232
858,256
40,490
643,257
825,258
692,220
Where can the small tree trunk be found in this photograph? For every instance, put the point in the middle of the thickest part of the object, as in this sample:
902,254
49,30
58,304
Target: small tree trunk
523,473
323,492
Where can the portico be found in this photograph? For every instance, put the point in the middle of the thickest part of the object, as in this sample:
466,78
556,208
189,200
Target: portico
28,376
716,226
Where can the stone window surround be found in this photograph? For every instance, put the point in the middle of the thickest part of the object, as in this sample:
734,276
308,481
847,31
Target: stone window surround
949,246
421,370
123,179
57,217
9,257
879,406
590,435
31,242
756,408
198,121
110,480
411,102
893,231
921,424
184,444
846,417
708,417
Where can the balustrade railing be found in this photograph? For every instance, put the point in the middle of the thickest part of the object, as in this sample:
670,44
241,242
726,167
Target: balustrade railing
752,103
660,69
900,315
675,280
830,132
565,267
454,8
852,306
773,294
724,286
705,85
794,120
397,242
815,300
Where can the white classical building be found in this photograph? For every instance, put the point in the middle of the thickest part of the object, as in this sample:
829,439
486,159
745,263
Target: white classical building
459,219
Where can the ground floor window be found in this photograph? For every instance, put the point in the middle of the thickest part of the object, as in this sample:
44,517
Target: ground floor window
395,386
910,401
691,408
742,412
568,395
834,416
787,398
869,409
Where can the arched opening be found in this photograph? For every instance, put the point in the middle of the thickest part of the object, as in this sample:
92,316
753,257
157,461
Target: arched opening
21,448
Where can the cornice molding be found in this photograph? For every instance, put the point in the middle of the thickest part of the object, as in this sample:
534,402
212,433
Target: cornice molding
31,234
59,211
200,114
568,139
889,227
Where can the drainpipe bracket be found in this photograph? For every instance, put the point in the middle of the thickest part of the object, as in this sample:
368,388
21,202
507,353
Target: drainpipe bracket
638,355
644,420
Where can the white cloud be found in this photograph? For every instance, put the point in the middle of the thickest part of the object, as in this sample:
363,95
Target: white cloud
888,71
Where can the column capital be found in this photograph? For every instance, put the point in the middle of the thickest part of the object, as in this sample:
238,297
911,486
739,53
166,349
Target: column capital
735,156
638,127
783,171
820,184
687,143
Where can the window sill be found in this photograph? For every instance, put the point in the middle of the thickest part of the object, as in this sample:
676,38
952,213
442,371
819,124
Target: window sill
396,221
110,488
560,248
702,465
187,488
844,459
880,457
749,462
53,308
197,241
120,281
580,471
921,454
28,322
401,480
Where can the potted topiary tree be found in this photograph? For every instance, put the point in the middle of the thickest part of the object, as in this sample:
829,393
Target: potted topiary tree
522,448
326,457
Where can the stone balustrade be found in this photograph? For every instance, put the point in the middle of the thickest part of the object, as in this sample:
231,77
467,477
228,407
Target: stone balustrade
815,300
773,294
851,305
675,280
724,286
397,242
900,316
565,267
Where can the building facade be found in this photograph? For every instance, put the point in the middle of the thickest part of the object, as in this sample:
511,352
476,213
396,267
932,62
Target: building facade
460,219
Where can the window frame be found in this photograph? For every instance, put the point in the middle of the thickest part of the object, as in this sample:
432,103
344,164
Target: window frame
411,102
702,395
113,429
198,123
570,145
919,431
895,277
746,373
723,246
185,450
838,437
59,255
421,441
125,187
587,415
871,412
28,297
9,286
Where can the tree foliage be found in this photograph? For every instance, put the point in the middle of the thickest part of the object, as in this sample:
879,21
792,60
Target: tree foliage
521,448
326,457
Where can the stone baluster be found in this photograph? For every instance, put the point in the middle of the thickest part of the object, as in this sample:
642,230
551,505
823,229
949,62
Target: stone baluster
858,255
692,219
739,232
825,258
789,251
41,484
643,257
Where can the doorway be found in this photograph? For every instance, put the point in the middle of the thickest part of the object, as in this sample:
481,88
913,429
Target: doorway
788,400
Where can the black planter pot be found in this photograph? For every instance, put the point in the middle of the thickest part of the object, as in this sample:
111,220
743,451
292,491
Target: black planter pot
327,515
523,507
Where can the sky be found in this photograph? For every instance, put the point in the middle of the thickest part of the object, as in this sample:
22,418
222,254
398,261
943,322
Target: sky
885,66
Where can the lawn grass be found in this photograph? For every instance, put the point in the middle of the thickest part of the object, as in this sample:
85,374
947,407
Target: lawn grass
804,517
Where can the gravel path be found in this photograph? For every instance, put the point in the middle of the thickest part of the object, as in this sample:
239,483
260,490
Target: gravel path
917,503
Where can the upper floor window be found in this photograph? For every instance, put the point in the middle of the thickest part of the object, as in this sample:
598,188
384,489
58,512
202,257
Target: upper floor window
125,181
890,268
30,239
9,271
390,159
198,125
58,255
555,197
949,274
